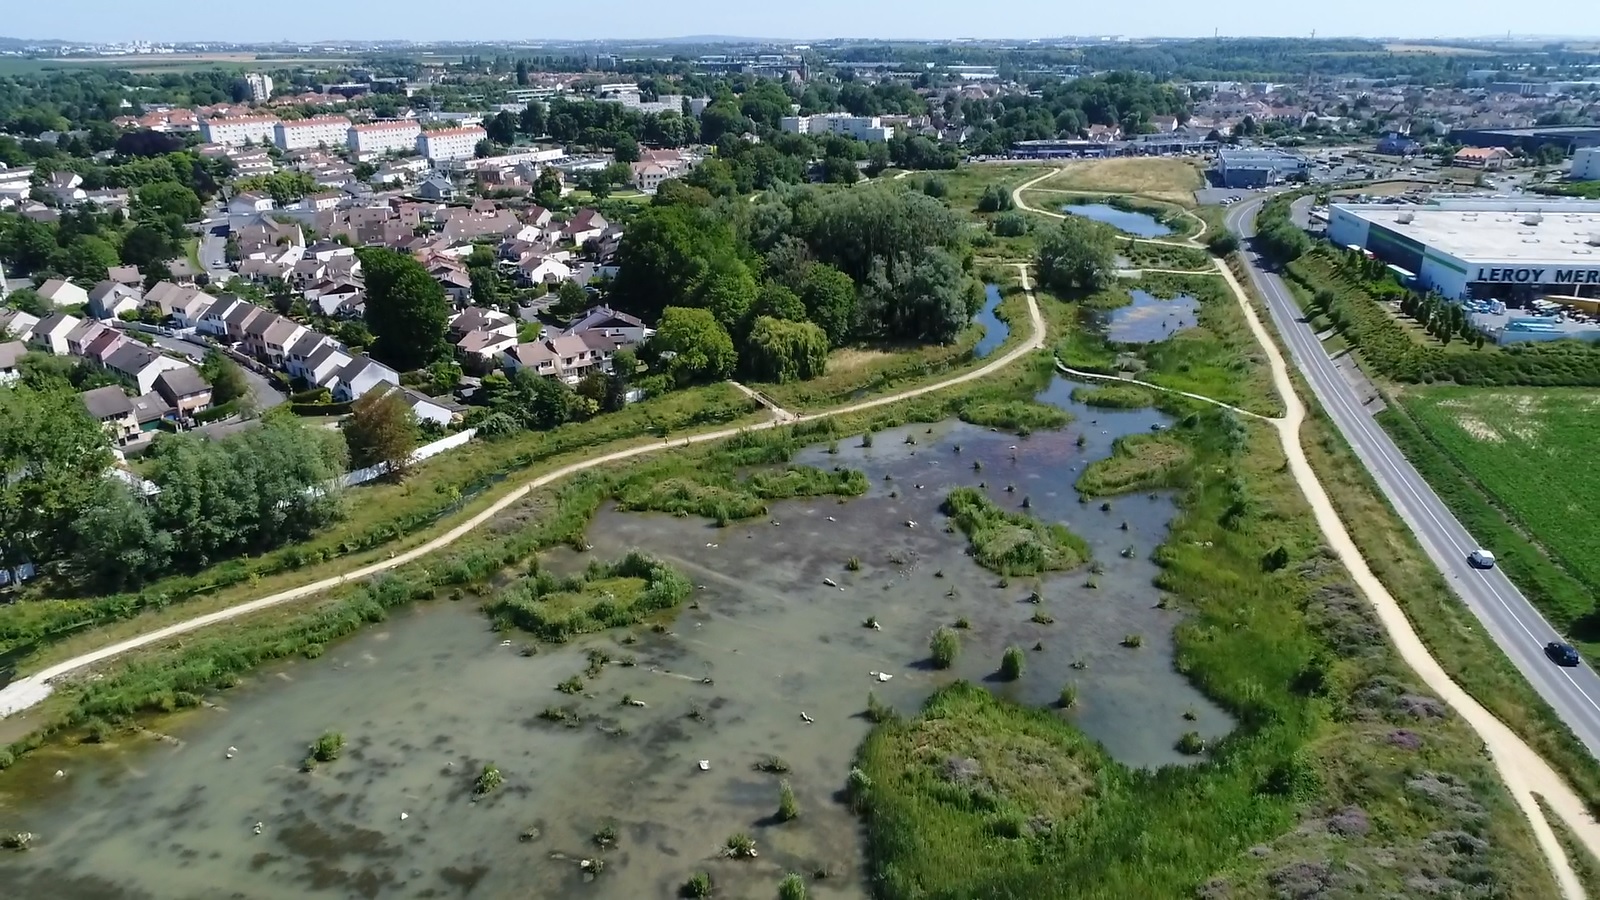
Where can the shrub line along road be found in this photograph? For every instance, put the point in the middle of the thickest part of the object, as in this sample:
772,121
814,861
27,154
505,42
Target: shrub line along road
26,692
1522,770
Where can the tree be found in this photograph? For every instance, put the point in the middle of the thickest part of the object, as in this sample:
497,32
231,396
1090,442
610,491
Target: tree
532,119
406,310
485,285
502,128
381,430
626,149
779,302
830,300
840,170
1010,224
87,258
25,245
623,366
169,198
701,348
667,252
729,291
571,299
116,543
146,244
785,351
228,382
29,301
54,457
1076,256
995,198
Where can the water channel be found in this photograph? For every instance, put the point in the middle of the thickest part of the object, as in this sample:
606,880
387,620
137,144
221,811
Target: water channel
995,330
1148,319
428,697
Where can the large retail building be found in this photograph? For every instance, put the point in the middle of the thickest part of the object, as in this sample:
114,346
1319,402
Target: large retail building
1515,250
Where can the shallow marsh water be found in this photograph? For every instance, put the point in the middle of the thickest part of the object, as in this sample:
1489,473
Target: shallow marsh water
995,330
1131,221
428,697
1147,319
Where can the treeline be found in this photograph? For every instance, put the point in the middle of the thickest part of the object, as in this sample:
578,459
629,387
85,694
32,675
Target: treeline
1392,351
768,287
1067,109
60,509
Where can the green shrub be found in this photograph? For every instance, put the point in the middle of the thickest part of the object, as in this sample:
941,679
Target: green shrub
944,645
489,779
1069,695
787,808
792,887
698,886
1191,743
1011,664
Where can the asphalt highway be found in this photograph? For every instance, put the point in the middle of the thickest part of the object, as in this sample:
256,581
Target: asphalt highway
1513,622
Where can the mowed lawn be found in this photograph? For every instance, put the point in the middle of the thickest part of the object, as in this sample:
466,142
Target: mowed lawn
1534,451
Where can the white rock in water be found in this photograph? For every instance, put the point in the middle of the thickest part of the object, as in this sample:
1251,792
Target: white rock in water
705,765
404,816
884,676
60,774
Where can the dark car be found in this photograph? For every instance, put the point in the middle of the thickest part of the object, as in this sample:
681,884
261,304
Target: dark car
1562,653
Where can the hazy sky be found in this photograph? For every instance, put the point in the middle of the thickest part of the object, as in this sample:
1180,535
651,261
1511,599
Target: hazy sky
302,20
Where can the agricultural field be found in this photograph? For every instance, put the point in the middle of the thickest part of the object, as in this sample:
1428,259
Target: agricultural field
1529,451
1164,178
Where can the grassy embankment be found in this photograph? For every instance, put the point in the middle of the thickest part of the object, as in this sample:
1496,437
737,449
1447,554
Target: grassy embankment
1448,628
1342,777
380,518
1012,543
1114,396
166,677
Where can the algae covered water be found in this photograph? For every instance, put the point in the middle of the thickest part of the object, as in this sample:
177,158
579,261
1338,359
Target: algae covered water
768,660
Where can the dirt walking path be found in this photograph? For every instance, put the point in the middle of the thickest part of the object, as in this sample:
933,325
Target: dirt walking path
26,692
1192,240
1524,772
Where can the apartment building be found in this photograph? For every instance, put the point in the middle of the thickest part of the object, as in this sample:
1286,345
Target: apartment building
237,130
331,131
260,86
862,128
450,143
383,137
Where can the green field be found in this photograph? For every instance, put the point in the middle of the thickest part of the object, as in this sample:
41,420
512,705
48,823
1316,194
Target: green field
1527,451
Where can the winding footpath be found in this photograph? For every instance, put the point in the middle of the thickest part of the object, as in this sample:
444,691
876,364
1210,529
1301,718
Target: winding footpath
29,691
1525,774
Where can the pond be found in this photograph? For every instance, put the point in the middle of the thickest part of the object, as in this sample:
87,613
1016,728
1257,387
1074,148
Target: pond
1148,319
1135,223
428,697
995,330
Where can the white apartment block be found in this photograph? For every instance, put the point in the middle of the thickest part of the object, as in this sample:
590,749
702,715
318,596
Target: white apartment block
383,137
1586,164
332,131
232,132
862,128
450,143
260,86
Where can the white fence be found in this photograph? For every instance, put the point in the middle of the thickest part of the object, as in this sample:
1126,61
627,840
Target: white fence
362,476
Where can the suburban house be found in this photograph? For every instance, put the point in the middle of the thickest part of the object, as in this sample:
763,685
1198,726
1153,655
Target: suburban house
566,357
112,408
605,320
109,340
80,337
480,349
1481,157
128,275
586,225
50,334
110,299
246,204
17,324
11,352
63,293
148,411
362,374
65,188
140,365
538,269
438,410
321,365
184,390
479,319
268,337
436,188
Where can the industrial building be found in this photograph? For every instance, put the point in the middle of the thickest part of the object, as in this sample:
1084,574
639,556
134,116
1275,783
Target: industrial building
1529,140
1515,251
1586,165
1257,167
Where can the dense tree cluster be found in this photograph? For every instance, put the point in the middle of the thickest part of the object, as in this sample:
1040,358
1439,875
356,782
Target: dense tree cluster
406,310
1077,256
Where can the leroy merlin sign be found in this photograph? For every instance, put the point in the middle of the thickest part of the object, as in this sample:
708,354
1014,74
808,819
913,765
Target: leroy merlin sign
1538,275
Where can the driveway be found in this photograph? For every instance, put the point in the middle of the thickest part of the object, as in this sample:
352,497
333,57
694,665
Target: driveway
264,394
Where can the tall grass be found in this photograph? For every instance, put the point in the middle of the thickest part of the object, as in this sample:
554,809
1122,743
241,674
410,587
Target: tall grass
1012,543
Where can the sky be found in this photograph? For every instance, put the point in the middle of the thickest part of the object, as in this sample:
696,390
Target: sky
93,21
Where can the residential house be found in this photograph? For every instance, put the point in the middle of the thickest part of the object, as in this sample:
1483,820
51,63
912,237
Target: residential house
11,352
79,338
245,204
1481,157
1104,134
539,269
184,390
104,345
111,407
437,188
110,299
140,364
566,357
478,318
65,188
17,324
321,367
606,320
584,226
271,343
238,318
456,283
63,293
647,176
537,216
340,299
149,410
480,349
50,334
128,275
441,411
362,374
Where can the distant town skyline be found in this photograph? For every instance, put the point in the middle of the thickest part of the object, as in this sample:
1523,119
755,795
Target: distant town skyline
299,21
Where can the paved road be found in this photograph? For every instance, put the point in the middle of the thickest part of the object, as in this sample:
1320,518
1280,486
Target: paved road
25,692
1510,619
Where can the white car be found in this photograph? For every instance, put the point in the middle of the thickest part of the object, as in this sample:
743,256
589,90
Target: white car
1481,559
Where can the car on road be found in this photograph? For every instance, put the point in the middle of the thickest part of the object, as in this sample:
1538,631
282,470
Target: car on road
1481,559
1562,653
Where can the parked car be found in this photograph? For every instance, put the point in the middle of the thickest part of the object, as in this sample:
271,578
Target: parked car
1562,653
1481,559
